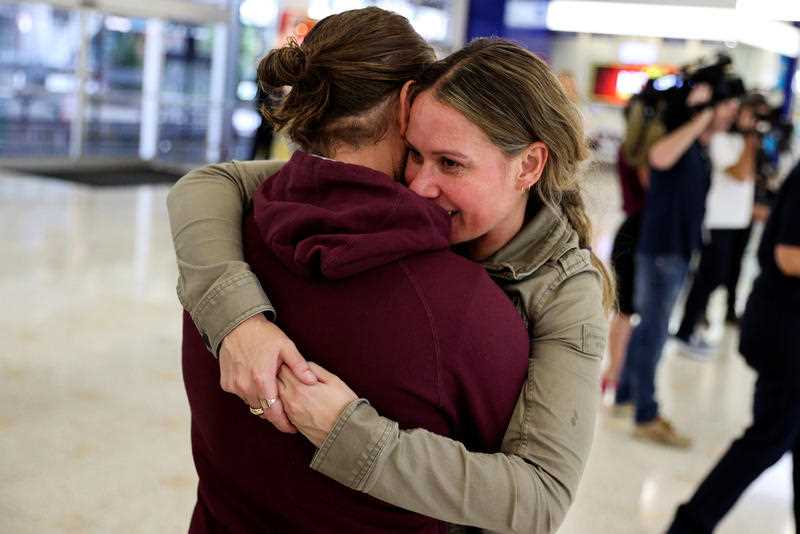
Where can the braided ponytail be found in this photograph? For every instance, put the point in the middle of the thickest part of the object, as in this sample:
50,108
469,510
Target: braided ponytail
574,210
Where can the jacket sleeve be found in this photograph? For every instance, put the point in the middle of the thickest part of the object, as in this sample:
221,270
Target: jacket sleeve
528,486
215,285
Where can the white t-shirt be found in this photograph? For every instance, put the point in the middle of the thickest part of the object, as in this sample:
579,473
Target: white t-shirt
730,201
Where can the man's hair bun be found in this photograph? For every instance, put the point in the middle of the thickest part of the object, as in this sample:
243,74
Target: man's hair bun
287,65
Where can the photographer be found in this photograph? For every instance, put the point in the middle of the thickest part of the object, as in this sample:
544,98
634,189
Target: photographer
771,346
671,233
729,211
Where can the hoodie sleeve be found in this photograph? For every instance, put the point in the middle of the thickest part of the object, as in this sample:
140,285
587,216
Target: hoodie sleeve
215,285
528,486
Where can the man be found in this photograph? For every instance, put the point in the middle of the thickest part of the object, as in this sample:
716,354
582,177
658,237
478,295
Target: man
671,234
771,346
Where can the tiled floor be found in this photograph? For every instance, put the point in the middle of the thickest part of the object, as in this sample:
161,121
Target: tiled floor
93,417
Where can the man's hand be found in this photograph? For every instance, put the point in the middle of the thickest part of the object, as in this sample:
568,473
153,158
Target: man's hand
314,409
249,359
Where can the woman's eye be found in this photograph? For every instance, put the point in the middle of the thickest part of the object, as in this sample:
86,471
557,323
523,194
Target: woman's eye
414,155
448,163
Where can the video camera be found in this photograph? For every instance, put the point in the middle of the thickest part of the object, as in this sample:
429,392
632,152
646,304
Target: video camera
775,133
775,130
666,96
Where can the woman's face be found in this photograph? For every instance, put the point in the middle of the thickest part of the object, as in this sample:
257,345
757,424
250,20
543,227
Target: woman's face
452,162
725,114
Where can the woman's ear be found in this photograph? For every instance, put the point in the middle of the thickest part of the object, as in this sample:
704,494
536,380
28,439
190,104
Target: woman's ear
534,158
405,106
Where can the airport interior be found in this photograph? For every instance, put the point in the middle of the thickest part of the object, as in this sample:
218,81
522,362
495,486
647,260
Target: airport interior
106,104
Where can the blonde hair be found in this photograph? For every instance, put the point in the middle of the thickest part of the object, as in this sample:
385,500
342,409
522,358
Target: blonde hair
515,98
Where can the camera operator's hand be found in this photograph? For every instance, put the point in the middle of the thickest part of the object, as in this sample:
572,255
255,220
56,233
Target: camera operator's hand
699,95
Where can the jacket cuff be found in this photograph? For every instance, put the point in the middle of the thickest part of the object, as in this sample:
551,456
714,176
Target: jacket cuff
355,445
227,304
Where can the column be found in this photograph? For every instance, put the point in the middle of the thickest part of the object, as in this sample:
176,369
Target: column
151,88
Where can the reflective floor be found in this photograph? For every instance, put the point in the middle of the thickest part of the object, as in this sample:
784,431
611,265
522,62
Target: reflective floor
94,433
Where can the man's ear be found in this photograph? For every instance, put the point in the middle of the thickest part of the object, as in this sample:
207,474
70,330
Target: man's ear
405,106
534,158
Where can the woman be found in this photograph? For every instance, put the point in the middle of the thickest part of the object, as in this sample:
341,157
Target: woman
534,246
729,211
634,176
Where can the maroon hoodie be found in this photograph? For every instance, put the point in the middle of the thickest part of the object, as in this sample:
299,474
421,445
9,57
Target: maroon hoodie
360,273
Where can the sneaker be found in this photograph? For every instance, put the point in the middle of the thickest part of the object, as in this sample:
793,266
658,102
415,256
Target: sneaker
661,431
696,347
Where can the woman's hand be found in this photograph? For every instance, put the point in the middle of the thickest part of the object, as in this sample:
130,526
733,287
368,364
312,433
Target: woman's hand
313,409
249,360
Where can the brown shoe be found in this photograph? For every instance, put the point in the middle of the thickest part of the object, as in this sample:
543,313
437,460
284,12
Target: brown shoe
660,431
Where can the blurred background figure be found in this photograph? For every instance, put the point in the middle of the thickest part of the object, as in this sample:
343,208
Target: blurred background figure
264,134
634,176
696,105
771,346
729,210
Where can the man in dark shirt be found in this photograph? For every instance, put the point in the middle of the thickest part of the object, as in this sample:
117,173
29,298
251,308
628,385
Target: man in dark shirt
771,346
671,232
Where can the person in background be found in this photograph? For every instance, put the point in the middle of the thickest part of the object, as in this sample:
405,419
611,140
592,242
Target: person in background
770,345
671,233
764,196
634,176
531,236
729,211
264,135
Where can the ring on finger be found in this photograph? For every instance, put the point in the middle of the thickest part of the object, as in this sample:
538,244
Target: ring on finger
256,411
268,403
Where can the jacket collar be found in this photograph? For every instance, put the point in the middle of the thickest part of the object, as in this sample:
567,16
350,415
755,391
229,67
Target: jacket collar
546,236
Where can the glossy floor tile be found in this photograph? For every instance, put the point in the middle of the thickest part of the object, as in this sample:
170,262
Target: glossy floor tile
94,433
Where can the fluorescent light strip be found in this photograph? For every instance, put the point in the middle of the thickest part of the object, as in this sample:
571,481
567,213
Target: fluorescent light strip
770,9
677,22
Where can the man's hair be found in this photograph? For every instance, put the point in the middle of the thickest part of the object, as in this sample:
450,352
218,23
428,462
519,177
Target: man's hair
343,77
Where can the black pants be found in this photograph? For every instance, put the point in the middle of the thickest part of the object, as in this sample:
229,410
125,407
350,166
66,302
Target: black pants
720,263
740,241
771,346
623,261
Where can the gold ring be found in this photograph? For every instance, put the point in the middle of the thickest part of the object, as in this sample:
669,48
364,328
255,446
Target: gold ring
256,411
269,402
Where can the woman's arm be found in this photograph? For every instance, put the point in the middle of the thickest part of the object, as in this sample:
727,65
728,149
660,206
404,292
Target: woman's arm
215,285
529,486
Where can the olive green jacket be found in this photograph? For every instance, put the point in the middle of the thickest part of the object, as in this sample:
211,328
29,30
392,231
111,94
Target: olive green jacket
530,484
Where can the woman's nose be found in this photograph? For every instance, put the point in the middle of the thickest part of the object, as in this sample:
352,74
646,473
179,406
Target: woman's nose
423,183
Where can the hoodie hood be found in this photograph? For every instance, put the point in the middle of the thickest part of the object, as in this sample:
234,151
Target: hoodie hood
326,218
